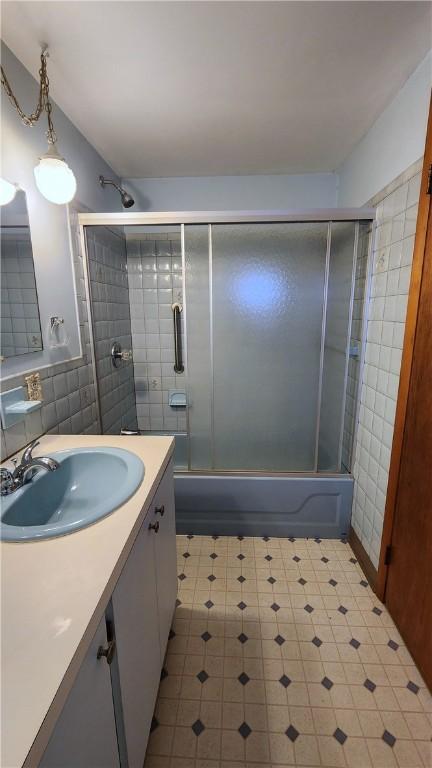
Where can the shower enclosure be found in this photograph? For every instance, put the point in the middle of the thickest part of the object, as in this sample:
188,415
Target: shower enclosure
243,339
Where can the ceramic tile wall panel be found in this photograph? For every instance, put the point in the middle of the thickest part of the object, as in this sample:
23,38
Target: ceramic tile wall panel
396,214
111,322
69,402
353,378
155,282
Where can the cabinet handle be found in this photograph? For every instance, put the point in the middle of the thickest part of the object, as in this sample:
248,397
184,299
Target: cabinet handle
160,510
154,526
108,652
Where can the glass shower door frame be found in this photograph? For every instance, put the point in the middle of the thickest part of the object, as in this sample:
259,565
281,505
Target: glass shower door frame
223,217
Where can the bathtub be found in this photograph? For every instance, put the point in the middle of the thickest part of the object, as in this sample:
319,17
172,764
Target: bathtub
260,504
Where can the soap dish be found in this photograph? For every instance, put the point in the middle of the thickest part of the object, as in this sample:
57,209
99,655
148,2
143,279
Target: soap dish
177,398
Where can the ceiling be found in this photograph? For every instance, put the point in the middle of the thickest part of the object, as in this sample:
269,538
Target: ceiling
216,88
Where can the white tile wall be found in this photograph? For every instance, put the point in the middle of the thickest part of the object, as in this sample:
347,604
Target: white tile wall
353,379
155,282
111,322
396,214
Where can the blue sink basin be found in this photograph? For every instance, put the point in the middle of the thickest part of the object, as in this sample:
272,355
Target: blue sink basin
89,484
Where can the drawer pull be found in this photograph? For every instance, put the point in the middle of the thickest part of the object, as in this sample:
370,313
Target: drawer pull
160,510
154,526
108,652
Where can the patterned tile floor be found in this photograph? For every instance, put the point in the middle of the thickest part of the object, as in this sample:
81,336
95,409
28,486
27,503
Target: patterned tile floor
281,655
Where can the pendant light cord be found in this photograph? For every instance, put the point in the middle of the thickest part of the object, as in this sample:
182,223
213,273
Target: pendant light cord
44,103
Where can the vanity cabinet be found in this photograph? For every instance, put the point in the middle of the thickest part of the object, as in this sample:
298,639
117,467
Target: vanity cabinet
85,733
106,720
163,510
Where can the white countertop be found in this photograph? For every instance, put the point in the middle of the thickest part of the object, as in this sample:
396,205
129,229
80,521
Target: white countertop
54,593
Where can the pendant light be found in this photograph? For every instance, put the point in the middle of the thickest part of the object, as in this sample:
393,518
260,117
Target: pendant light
7,191
54,179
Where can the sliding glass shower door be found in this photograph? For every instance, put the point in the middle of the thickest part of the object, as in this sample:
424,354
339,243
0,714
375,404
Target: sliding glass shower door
254,344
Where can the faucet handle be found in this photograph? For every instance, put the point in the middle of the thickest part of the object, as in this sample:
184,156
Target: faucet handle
27,455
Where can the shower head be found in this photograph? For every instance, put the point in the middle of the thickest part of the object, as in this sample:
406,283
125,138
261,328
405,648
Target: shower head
126,198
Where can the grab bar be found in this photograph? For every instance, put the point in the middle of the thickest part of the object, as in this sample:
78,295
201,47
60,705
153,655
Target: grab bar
178,362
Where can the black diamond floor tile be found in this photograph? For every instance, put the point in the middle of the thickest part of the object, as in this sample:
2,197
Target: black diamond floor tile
213,555
391,644
182,576
241,605
388,738
325,560
240,557
212,577
206,636
243,678
413,687
285,681
242,638
296,559
279,639
292,733
316,641
275,607
308,608
355,643
333,582
271,580
342,610
340,736
241,579
202,676
327,683
302,581
186,555
245,730
268,558
198,727
209,604
369,685
377,611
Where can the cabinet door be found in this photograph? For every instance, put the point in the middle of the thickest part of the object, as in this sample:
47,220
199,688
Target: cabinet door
134,606
163,511
85,733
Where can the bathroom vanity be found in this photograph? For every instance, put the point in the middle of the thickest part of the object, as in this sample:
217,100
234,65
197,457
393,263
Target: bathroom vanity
86,619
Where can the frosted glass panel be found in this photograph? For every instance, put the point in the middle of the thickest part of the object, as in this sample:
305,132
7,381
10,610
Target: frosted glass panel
198,345
335,347
268,282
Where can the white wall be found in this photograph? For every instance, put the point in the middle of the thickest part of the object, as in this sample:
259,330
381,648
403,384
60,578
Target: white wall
215,193
20,148
393,143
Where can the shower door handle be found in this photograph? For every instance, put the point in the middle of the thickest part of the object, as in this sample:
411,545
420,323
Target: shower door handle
178,361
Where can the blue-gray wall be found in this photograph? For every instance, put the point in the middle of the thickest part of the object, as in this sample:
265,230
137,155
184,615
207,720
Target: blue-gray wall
216,193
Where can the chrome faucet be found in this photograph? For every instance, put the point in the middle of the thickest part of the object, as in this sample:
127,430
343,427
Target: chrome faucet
24,471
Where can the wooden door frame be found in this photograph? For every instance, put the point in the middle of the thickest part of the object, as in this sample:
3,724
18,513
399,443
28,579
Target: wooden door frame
407,360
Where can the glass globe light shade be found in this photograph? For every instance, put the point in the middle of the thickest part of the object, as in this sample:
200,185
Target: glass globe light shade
7,191
54,178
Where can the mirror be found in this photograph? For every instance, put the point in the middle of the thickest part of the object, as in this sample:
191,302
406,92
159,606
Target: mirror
20,322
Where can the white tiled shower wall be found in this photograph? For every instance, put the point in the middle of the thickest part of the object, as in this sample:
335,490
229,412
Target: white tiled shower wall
111,323
155,282
396,215
355,347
